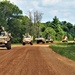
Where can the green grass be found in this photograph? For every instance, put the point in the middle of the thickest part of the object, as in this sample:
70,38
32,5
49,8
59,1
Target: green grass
65,49
16,44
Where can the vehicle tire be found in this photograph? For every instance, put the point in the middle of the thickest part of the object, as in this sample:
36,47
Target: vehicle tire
37,42
31,43
43,42
23,43
46,41
51,41
8,45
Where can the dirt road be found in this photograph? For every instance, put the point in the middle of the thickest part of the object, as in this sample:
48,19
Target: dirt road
34,60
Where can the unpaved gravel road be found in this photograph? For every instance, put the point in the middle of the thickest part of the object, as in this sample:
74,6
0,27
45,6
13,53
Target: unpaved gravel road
34,60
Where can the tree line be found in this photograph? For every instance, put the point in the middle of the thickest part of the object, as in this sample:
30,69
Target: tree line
12,19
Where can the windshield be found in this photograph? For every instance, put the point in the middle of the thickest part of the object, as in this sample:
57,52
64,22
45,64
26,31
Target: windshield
26,36
2,34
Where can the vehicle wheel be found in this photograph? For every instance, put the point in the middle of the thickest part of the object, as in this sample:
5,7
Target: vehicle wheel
37,42
46,41
43,42
31,43
51,41
8,45
23,43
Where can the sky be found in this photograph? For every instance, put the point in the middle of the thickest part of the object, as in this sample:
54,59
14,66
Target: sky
63,9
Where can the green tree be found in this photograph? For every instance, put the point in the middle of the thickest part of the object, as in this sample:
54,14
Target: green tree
49,32
18,28
72,31
59,32
69,26
7,12
10,18
55,23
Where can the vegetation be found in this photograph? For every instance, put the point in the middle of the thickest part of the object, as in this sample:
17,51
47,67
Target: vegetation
12,19
65,49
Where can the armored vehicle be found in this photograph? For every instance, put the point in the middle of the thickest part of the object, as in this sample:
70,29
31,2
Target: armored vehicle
5,38
40,40
27,39
49,39
64,39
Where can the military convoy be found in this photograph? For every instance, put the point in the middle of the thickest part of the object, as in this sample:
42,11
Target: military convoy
28,39
43,40
5,38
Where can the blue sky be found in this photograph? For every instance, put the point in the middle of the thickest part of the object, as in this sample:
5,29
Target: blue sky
63,9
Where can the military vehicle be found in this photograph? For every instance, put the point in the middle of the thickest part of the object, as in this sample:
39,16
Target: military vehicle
5,38
49,39
40,40
27,39
64,39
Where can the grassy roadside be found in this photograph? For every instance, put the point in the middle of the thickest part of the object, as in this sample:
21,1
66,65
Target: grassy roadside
14,45
65,49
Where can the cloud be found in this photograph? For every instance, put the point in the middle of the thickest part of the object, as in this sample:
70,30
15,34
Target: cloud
50,2
27,4
53,12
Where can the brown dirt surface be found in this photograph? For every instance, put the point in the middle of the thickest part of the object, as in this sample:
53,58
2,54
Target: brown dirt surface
34,60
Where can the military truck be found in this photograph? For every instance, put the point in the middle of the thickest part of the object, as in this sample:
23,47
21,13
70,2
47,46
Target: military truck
64,39
40,40
49,39
27,39
5,38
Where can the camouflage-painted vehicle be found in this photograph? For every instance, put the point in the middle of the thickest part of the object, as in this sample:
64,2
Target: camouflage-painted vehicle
5,38
40,40
27,39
